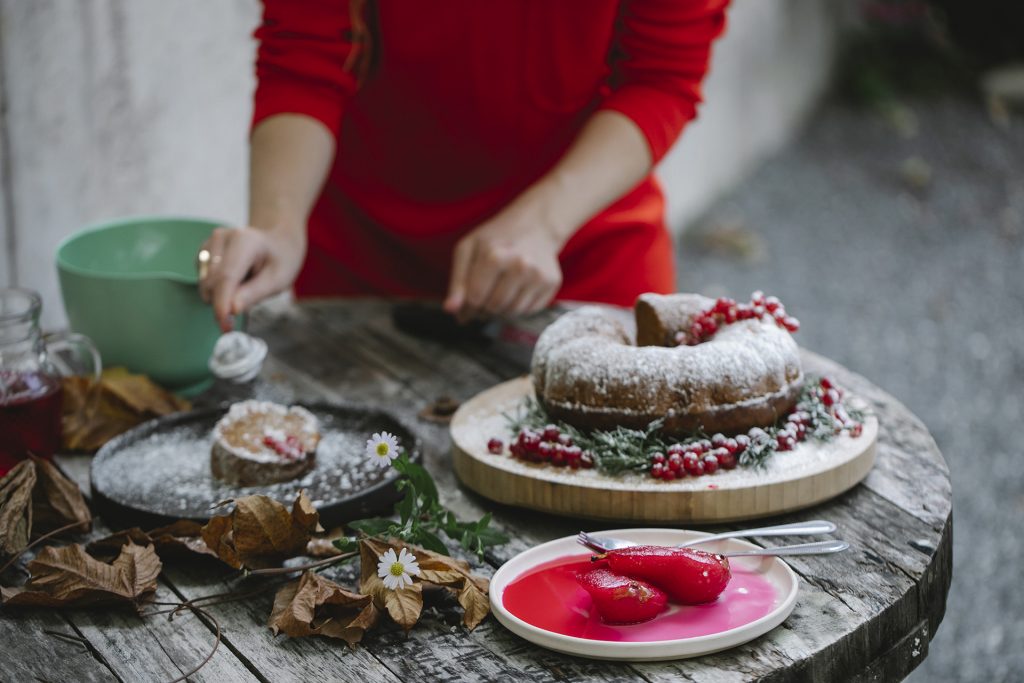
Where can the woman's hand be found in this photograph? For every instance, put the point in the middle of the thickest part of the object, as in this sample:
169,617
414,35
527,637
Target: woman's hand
247,265
507,266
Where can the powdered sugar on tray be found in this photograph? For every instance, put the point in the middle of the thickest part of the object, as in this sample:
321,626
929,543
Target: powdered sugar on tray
808,458
166,470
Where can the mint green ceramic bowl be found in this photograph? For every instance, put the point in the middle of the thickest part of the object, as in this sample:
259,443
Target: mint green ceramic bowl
130,286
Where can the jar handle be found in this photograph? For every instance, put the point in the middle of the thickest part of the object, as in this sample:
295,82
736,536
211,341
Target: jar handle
73,354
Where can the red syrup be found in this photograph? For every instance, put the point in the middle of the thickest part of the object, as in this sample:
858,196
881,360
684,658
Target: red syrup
549,597
30,419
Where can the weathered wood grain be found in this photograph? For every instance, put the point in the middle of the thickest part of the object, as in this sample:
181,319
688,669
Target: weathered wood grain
864,615
29,653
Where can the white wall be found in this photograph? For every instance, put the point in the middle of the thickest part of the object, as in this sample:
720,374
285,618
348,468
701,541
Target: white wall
118,107
767,73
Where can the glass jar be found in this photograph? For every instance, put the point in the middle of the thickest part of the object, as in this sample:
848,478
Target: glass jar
31,367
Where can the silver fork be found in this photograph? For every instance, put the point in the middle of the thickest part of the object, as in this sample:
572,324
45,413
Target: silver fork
816,548
811,528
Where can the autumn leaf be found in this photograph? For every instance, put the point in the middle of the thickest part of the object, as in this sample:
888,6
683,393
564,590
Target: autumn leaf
405,604
96,411
323,546
57,501
260,532
108,547
180,539
314,606
69,577
141,394
16,508
470,590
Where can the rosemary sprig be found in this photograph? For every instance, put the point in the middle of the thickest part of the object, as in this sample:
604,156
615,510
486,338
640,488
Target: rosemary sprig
623,450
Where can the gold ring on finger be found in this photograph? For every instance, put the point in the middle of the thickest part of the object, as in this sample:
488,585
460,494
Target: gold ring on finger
203,259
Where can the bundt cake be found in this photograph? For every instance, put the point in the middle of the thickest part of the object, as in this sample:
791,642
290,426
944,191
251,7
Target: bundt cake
684,367
258,443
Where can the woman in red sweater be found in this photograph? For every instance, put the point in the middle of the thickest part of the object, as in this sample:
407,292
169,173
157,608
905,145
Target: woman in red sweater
496,155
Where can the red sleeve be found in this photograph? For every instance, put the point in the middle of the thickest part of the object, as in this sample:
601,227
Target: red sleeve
301,60
662,53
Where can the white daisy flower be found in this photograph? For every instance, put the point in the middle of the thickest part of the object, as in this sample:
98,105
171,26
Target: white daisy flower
382,447
397,570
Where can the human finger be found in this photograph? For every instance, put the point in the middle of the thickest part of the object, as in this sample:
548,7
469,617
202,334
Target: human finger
461,260
214,247
507,290
485,270
264,282
239,257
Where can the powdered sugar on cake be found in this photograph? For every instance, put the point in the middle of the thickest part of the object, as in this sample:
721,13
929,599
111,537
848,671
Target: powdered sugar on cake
251,443
586,365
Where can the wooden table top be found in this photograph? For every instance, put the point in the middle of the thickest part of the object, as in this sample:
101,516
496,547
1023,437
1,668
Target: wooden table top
866,614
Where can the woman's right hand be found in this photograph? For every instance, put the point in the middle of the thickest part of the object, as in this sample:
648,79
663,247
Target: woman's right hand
248,265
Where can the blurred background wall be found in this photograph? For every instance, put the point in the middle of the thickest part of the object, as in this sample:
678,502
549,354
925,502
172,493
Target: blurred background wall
118,107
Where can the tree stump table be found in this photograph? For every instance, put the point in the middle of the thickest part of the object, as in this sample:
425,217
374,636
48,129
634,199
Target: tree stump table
866,614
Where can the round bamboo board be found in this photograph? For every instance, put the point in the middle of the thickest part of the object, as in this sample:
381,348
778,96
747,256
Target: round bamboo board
809,474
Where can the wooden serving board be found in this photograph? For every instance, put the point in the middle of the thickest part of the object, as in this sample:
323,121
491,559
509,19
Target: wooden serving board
809,474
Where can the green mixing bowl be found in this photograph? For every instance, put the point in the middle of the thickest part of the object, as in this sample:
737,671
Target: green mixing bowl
130,286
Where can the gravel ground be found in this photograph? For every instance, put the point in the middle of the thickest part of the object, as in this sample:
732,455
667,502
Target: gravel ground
897,239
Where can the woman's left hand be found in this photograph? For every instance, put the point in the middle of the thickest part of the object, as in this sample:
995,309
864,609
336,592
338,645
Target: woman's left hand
507,266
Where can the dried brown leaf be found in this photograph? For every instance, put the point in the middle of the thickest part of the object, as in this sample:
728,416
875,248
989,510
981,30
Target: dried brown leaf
68,576
179,539
183,537
470,589
108,547
260,532
403,605
97,411
323,546
141,394
314,605
57,501
16,508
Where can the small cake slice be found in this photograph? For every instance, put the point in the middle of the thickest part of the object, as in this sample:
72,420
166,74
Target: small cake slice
258,442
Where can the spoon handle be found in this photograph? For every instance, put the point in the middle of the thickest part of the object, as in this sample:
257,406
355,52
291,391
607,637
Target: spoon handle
817,548
813,527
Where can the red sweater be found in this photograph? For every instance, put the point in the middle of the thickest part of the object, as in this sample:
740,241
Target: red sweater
466,105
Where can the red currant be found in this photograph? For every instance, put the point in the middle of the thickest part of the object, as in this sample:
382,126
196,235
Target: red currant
742,442
668,475
677,448
856,429
551,433
657,469
546,450
495,446
565,439
693,466
710,462
732,446
587,460
718,440
727,461
675,462
826,383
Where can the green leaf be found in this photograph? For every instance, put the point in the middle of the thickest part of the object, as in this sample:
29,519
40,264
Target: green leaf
373,526
492,536
484,522
405,506
430,541
422,481
346,544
